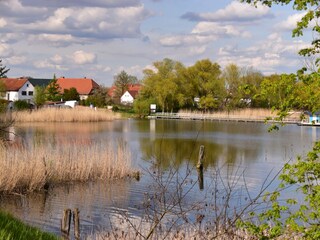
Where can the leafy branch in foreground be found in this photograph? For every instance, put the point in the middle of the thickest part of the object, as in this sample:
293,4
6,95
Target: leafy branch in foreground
296,216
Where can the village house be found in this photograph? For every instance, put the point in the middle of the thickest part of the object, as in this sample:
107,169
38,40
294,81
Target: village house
17,89
128,97
84,86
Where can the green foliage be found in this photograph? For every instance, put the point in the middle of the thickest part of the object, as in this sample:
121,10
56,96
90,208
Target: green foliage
3,105
21,105
3,70
99,98
53,90
39,97
70,94
142,106
13,229
300,217
122,82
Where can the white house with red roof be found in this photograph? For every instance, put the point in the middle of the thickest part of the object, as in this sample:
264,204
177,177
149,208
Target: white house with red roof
84,86
128,96
17,89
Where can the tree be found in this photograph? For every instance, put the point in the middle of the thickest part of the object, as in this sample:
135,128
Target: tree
39,97
122,82
3,70
161,85
53,90
70,94
99,98
203,81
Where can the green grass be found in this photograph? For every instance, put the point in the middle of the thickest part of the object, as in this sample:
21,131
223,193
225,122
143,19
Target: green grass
13,229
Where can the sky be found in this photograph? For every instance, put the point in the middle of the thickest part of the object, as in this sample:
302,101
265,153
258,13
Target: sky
99,38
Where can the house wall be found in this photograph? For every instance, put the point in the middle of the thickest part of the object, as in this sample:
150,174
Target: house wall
26,92
126,98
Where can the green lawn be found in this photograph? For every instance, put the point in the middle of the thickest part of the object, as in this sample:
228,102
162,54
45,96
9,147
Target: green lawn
13,229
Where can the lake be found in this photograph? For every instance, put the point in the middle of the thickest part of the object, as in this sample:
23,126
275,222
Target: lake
245,154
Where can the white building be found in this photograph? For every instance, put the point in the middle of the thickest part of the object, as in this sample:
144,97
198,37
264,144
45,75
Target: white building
17,89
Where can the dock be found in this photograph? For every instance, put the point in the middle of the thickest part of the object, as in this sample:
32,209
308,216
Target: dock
213,117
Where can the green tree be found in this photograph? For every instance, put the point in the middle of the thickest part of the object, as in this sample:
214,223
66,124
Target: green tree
99,98
161,84
70,94
122,82
207,84
3,70
39,97
53,90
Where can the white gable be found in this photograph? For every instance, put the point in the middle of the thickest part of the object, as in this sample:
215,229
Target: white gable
126,98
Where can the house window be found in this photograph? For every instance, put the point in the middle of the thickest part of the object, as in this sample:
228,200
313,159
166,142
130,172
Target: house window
24,93
27,84
30,93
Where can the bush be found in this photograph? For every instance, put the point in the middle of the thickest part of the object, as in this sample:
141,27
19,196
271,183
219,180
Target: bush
21,105
3,105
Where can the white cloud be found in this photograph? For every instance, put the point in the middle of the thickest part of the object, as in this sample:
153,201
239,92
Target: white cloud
267,56
55,40
234,12
16,60
5,50
291,22
80,57
3,22
91,22
57,59
212,28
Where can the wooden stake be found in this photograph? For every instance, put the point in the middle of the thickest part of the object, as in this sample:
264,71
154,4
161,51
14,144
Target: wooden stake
65,223
201,157
76,221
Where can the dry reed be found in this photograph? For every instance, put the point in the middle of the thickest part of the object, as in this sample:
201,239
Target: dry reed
29,169
78,114
256,114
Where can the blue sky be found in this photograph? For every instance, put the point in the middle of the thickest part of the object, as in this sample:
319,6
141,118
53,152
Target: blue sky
99,38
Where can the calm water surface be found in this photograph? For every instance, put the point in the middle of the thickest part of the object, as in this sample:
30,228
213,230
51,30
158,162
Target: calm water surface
235,148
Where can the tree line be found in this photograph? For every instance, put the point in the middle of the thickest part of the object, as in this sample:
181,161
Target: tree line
205,86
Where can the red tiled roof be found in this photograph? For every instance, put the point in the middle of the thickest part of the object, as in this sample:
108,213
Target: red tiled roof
84,86
133,89
13,84
133,93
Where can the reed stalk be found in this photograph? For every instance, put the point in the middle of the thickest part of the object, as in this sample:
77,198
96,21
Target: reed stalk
27,169
78,114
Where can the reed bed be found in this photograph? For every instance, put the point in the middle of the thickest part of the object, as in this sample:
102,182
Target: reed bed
77,114
27,169
257,114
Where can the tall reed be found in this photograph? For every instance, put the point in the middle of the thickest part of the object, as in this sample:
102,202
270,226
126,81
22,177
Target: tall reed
78,114
26,169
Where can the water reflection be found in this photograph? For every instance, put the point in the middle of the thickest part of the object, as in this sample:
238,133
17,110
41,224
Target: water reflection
242,151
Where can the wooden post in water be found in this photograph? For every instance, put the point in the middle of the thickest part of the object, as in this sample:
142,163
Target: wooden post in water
201,157
65,223
76,221
200,167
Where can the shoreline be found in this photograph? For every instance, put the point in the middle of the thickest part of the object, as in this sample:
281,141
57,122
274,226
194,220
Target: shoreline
243,115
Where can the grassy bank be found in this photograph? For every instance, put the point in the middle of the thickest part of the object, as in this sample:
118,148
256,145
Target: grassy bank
13,229
27,169
78,114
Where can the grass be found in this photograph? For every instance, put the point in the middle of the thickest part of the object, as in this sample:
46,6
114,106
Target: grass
78,114
13,229
26,169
